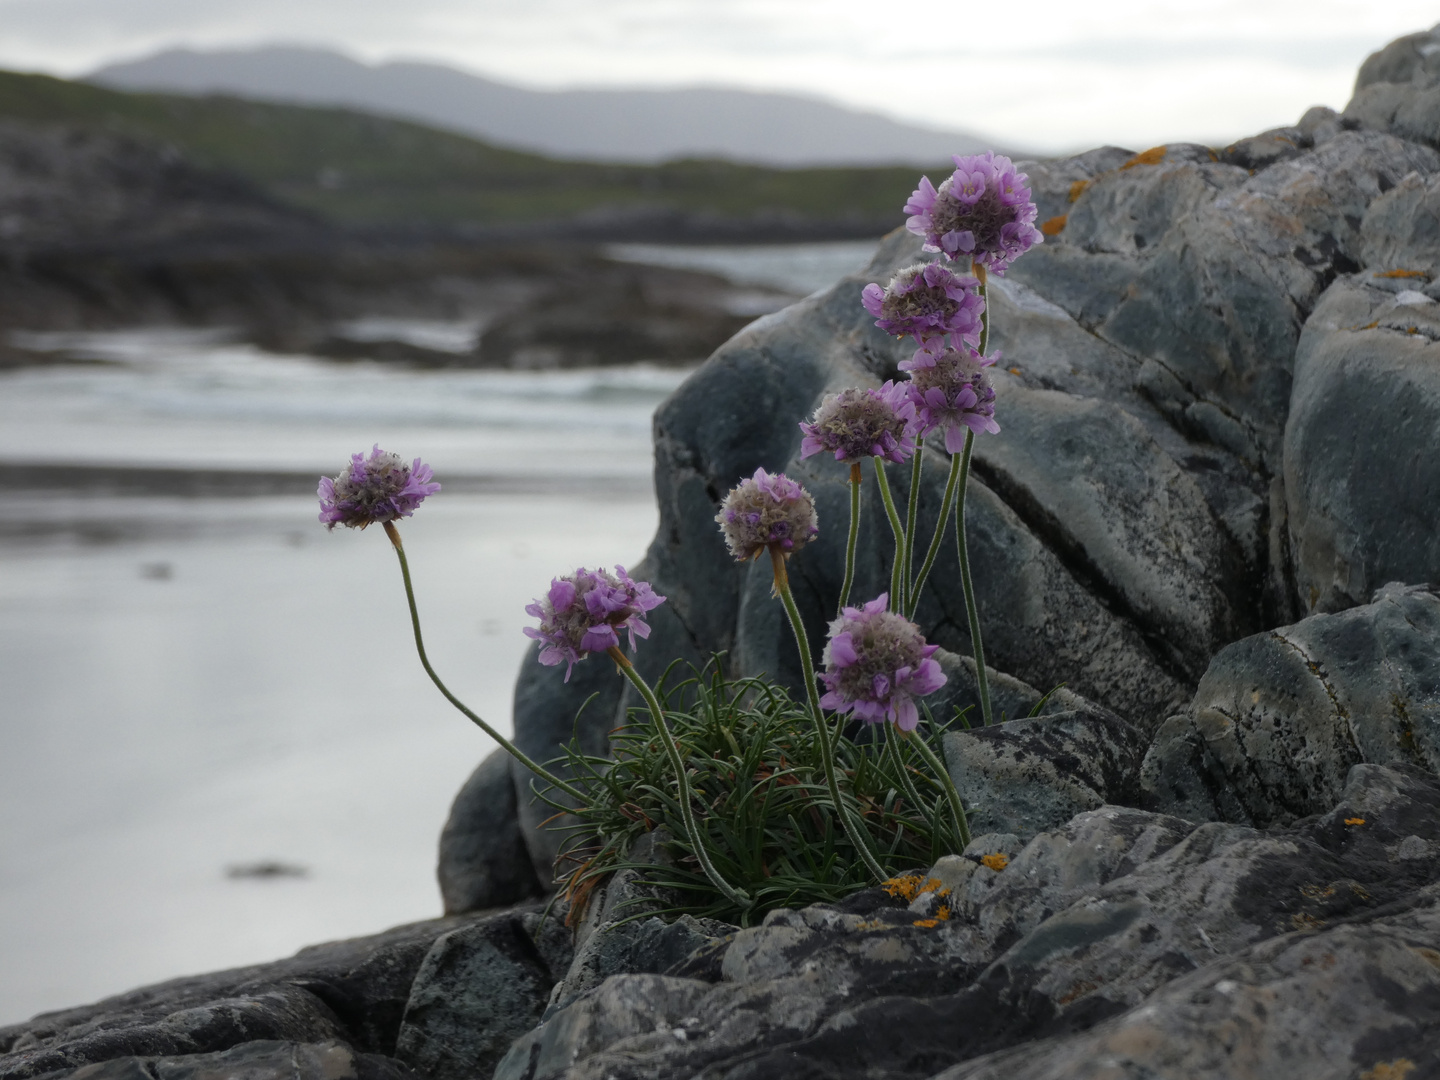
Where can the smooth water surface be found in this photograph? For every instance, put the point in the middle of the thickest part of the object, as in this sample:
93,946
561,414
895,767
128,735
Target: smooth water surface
194,688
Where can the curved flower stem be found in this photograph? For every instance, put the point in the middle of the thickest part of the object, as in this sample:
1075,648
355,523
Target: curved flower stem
738,897
897,600
983,277
971,612
935,541
893,743
822,727
575,793
855,478
957,808
911,511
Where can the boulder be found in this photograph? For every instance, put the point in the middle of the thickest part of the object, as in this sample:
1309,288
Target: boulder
1280,719
484,861
479,988
1362,488
1029,775
349,992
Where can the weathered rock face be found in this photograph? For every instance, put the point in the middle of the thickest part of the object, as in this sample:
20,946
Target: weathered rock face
1280,718
1361,487
354,994
1124,933
1218,416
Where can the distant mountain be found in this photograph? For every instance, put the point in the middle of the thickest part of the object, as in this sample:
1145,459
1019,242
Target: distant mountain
643,126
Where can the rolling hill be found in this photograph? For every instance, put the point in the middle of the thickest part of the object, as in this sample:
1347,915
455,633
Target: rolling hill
359,169
634,126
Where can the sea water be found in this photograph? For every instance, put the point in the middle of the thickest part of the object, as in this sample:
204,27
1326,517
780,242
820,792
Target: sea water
216,742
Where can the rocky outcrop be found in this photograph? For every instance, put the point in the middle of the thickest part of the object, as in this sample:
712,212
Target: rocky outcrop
1129,935
1213,402
1281,718
372,1008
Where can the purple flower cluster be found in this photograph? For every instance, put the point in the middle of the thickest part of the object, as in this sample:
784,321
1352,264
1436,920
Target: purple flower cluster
983,210
583,611
877,664
855,424
950,389
764,510
925,301
374,490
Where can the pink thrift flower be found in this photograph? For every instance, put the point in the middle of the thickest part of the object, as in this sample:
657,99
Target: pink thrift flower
583,612
983,210
927,300
951,388
764,510
374,489
855,424
877,664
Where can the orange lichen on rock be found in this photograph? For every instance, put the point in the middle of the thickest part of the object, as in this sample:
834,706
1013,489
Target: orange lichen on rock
906,887
928,924
1354,821
996,862
1078,188
1389,1070
1400,274
1153,156
1054,226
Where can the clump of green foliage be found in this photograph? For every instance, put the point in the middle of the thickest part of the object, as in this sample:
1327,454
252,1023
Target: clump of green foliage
758,787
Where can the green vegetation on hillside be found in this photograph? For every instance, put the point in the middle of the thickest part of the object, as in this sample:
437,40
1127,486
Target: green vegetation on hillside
363,169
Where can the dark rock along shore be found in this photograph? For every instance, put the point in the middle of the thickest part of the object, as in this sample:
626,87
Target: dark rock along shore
1211,513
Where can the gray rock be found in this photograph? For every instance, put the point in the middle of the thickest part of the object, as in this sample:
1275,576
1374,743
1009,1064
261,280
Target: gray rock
1087,927
1027,776
484,862
652,1008
1398,90
617,934
1361,484
1280,718
260,1060
547,716
349,991
479,989
1088,478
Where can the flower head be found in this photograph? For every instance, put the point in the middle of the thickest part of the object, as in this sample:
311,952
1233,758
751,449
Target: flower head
982,209
927,300
856,424
951,388
877,664
764,510
583,611
373,489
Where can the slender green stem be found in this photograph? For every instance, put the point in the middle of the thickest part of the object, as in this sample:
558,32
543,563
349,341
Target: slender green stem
894,743
855,478
555,781
822,727
911,511
957,808
687,812
897,570
971,611
984,290
935,541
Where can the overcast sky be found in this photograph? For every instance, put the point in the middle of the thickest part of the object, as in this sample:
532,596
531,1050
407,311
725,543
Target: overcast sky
1048,74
